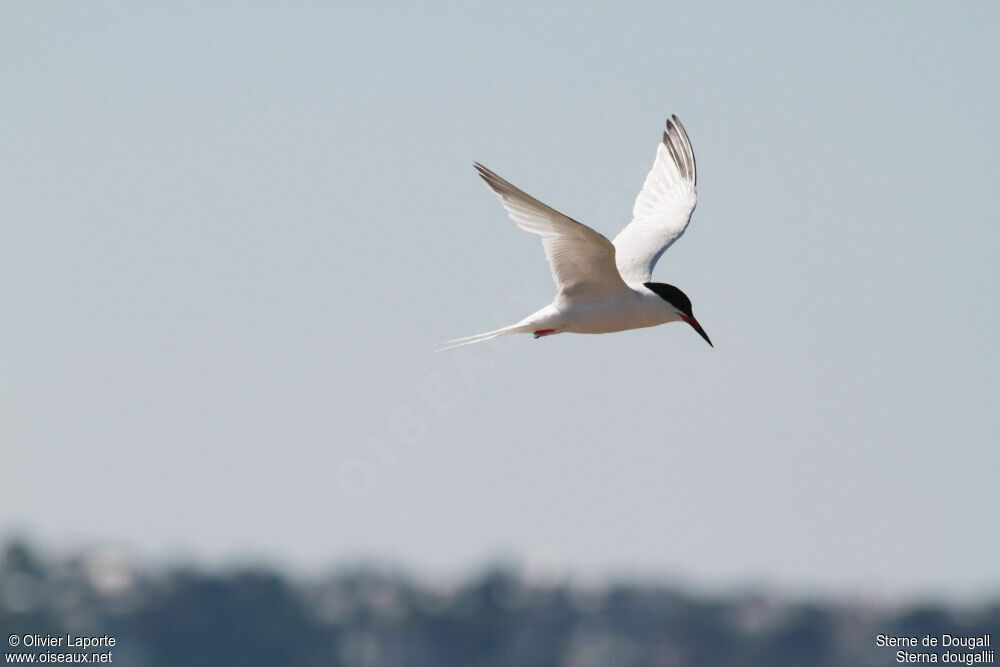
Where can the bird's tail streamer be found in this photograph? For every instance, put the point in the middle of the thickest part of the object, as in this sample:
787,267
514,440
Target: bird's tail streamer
478,338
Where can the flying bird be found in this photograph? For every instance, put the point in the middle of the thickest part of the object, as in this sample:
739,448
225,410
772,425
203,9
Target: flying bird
606,286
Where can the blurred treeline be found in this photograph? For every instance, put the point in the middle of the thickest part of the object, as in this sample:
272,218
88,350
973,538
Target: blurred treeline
368,616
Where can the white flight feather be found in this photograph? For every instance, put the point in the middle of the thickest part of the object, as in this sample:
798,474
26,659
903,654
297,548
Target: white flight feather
663,208
582,261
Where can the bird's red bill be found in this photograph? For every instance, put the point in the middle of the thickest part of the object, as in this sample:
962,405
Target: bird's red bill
697,327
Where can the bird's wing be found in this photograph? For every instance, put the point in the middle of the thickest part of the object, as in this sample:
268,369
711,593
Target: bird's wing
582,261
663,208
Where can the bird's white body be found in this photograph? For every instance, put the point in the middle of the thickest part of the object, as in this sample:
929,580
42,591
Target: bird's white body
604,286
636,309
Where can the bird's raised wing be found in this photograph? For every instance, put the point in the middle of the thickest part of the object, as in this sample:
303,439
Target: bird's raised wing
662,209
582,261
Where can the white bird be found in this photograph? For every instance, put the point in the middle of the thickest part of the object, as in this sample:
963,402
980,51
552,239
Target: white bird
605,286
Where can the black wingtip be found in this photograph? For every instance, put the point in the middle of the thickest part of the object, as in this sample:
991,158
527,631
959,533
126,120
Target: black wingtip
483,172
676,140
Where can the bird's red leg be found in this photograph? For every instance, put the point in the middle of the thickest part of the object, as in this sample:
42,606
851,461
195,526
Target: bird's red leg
544,332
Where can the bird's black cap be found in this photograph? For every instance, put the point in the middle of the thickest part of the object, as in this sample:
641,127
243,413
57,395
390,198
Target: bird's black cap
681,302
673,296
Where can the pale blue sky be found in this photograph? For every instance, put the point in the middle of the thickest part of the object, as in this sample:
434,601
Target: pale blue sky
231,230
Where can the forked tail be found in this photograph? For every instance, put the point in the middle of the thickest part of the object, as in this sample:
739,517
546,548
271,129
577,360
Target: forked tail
479,338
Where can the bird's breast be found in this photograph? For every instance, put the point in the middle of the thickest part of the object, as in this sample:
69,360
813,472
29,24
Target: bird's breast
620,314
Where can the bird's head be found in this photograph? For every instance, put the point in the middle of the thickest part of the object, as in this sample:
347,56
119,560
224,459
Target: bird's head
680,304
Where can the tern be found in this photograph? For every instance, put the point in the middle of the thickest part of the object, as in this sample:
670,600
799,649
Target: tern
606,286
